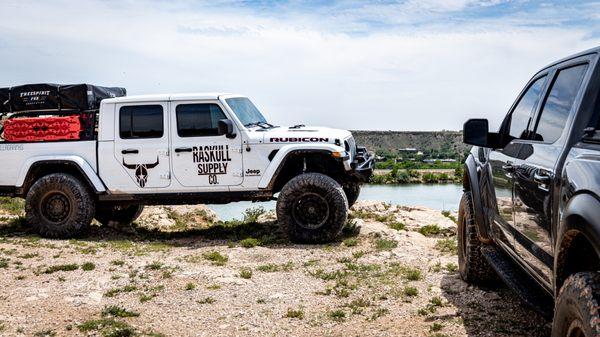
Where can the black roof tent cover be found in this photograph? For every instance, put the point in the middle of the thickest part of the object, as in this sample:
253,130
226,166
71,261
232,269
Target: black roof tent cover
45,96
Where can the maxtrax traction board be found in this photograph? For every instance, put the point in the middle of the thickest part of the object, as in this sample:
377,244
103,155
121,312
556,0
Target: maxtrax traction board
37,129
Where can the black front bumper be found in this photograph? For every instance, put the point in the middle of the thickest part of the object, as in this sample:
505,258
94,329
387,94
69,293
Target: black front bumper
363,164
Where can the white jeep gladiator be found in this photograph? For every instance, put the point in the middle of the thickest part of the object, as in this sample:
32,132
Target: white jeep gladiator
80,152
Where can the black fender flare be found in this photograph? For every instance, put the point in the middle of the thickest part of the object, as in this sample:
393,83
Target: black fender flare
289,155
581,216
472,179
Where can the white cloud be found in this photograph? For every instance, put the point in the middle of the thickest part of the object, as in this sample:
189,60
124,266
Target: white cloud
299,68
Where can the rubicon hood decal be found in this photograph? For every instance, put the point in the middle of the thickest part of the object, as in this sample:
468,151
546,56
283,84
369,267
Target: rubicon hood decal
298,140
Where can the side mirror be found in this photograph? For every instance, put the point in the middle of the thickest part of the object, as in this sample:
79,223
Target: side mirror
225,127
476,132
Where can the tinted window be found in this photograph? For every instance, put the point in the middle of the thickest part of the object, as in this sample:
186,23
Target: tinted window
197,120
559,103
522,112
246,112
141,121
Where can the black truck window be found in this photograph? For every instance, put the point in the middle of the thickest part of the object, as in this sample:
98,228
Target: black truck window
559,103
522,113
141,121
198,120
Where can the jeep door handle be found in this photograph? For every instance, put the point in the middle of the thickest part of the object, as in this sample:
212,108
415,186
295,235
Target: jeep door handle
183,149
130,151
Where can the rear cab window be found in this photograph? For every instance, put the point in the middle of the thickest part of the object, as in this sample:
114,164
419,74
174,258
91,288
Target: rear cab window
558,105
141,121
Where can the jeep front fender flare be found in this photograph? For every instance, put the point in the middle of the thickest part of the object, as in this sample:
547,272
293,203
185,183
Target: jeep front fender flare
472,173
81,164
283,153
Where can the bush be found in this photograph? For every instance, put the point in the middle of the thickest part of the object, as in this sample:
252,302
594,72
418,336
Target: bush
251,214
430,230
250,242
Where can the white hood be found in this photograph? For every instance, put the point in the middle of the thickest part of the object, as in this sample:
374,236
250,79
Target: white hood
303,134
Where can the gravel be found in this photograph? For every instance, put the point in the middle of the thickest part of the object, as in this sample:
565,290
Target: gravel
168,272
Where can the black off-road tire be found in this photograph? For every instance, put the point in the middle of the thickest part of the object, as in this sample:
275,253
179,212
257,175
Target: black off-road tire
313,208
352,191
117,216
577,306
59,206
473,267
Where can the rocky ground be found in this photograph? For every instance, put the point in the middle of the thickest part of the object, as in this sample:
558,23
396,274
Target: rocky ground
179,272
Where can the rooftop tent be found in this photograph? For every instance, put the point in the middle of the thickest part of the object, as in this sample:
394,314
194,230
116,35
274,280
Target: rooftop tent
45,96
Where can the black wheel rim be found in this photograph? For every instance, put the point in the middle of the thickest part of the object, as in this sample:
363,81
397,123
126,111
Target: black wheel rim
310,210
56,207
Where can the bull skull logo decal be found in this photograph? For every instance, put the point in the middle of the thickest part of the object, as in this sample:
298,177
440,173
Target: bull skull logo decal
141,171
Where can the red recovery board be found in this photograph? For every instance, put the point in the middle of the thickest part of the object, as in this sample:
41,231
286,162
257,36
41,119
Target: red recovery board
37,129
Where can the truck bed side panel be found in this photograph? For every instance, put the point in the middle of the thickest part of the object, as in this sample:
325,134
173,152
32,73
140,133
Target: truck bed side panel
14,157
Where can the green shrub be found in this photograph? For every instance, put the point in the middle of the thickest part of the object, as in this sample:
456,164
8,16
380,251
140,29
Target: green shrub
251,214
117,311
385,244
88,266
246,273
299,314
216,258
61,267
250,242
447,246
430,230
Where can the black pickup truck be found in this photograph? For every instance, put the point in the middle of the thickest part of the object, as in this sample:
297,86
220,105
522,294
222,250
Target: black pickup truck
530,213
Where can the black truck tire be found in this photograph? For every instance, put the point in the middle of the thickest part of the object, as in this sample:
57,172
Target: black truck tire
473,267
577,306
59,205
116,215
313,208
352,191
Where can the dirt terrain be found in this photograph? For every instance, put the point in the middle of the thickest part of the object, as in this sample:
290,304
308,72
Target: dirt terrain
180,272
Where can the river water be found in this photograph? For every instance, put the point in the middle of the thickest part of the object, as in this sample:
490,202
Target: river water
436,196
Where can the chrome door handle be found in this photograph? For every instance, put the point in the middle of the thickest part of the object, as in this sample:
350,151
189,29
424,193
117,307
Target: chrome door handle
541,178
508,168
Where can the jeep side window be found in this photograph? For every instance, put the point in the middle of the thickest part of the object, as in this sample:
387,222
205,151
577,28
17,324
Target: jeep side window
141,121
521,114
198,120
557,107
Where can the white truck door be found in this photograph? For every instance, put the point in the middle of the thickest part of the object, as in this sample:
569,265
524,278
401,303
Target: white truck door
201,157
142,145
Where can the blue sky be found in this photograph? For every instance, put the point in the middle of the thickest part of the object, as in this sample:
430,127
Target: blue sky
399,65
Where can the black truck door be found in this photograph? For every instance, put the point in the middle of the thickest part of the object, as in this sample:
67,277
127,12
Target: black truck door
502,163
536,176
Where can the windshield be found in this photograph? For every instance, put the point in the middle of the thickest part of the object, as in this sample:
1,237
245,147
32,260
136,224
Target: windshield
245,111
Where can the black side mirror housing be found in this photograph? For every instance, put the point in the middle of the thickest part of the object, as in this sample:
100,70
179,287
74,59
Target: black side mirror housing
225,127
477,132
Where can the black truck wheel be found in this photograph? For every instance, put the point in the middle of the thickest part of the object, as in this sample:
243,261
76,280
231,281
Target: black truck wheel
313,208
472,266
116,215
577,305
352,191
59,206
